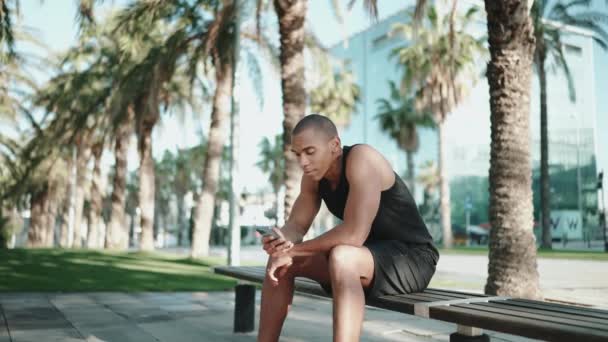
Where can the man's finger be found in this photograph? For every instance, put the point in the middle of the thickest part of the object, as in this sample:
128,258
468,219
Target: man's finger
284,247
277,242
267,239
271,274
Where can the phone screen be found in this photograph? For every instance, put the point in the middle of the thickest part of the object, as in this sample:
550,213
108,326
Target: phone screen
266,232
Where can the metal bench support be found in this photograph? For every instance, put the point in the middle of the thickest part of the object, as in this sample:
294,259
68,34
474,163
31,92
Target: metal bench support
469,334
244,308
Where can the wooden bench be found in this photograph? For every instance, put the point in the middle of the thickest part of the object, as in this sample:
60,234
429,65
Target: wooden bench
471,312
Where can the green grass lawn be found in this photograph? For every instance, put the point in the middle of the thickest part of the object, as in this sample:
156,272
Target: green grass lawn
84,270
59,270
550,254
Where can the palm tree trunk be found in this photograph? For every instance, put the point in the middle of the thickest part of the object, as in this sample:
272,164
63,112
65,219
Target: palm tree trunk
211,171
118,229
51,220
276,207
146,184
95,220
36,235
411,178
444,190
82,159
291,16
545,181
512,269
181,231
65,209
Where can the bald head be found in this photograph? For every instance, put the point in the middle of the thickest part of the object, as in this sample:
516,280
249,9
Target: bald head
318,123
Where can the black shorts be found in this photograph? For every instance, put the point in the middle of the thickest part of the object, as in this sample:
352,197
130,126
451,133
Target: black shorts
399,267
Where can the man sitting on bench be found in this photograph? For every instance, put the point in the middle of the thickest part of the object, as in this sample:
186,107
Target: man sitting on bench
382,246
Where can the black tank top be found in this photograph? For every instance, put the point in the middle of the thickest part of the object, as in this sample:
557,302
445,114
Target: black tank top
397,218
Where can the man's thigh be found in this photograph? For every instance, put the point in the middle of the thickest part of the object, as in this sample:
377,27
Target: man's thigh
316,267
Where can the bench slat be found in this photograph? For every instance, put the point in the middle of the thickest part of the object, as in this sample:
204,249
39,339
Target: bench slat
454,293
507,305
547,307
526,327
557,306
394,303
433,297
539,318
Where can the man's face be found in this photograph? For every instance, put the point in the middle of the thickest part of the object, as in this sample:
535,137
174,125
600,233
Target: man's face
314,151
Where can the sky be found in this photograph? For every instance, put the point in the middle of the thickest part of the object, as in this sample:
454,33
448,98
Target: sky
54,23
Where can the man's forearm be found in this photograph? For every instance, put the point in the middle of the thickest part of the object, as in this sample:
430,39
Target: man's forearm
339,235
292,232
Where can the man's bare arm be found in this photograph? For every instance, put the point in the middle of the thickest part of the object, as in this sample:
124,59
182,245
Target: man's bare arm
303,212
361,208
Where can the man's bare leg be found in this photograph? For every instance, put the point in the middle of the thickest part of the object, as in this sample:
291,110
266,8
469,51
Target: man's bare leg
276,300
345,267
351,269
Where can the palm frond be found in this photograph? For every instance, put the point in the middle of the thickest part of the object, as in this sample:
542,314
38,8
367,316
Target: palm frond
6,28
371,6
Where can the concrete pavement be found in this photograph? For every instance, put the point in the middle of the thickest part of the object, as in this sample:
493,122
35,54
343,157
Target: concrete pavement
188,316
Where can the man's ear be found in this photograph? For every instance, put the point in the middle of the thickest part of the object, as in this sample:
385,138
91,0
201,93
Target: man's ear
336,144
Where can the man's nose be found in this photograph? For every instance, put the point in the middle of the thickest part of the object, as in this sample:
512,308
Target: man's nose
303,161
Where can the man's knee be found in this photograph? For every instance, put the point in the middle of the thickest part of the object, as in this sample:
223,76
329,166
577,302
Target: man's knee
341,257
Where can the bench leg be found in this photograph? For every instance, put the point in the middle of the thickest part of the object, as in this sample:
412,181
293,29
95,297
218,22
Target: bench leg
244,308
469,334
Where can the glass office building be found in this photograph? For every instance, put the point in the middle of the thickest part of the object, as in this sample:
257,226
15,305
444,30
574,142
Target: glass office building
578,132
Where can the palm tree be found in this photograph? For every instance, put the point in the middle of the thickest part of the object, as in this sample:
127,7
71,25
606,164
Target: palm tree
145,21
547,21
438,69
272,162
336,93
401,122
291,16
188,168
203,40
42,184
72,96
219,44
96,198
83,155
512,269
164,170
117,236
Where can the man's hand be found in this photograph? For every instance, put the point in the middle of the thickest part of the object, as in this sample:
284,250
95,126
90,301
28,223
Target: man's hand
275,245
277,267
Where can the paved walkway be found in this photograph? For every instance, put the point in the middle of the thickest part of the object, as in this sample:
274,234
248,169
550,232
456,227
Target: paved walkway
187,316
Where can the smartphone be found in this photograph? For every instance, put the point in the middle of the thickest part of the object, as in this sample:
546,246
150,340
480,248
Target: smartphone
266,232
